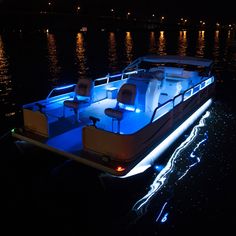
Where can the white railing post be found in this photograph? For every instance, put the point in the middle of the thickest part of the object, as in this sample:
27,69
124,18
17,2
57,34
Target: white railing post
108,78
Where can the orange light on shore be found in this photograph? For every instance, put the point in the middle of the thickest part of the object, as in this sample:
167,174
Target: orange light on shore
120,168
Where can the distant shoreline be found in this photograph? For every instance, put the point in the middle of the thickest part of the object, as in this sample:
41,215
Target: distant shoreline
66,21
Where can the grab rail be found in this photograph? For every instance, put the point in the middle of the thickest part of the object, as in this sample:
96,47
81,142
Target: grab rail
59,88
156,116
108,76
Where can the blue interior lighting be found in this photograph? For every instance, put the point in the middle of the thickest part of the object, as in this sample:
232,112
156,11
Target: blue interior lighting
64,87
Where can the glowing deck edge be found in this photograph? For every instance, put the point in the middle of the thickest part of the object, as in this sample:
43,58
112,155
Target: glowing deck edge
154,154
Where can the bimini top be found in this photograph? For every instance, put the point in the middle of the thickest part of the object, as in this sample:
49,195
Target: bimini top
179,60
196,61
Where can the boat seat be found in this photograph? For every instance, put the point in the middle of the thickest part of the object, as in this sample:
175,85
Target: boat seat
116,114
82,97
126,96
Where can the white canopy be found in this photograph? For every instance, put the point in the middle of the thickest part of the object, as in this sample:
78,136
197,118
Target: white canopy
196,61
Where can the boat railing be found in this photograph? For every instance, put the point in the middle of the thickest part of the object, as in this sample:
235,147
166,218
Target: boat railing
170,104
133,64
98,81
196,88
177,99
162,110
110,78
58,90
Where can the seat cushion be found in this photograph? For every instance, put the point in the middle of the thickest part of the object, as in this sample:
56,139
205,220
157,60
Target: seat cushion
72,104
127,94
76,104
113,113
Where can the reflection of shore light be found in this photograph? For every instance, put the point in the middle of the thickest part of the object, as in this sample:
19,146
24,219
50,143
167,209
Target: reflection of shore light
129,46
6,88
81,54
183,44
152,43
112,54
54,67
200,43
162,43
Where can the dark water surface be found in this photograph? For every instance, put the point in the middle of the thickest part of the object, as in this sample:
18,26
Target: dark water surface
191,188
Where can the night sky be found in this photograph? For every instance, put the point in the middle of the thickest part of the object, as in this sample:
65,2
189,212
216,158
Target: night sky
198,9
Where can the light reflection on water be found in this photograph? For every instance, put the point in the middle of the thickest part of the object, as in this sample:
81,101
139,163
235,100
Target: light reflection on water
6,87
183,43
216,49
162,44
152,43
200,44
229,39
54,67
129,47
81,55
3,59
157,46
112,51
181,161
158,202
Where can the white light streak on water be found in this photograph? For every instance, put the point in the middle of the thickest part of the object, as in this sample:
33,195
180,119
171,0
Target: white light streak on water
162,209
161,178
192,155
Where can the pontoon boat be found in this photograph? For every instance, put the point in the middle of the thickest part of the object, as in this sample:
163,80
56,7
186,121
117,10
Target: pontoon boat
121,123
